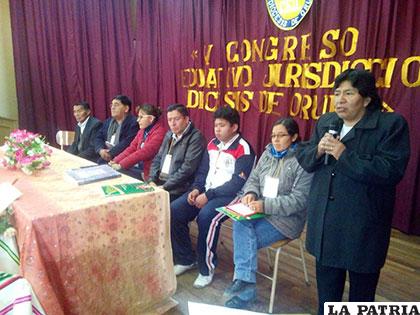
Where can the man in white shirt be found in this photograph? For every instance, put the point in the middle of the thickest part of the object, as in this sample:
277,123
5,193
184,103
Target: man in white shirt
85,132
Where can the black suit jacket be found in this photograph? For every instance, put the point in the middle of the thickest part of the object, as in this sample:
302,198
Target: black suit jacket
86,140
129,129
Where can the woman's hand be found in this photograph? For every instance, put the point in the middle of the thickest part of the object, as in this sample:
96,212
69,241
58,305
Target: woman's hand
257,206
330,145
247,199
115,166
322,145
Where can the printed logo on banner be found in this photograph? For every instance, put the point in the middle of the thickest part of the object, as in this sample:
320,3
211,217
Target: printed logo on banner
287,14
371,308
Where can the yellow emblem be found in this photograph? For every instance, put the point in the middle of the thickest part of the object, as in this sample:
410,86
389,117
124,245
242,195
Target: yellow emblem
287,14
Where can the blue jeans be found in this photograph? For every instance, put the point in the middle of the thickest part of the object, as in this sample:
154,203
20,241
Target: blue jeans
248,237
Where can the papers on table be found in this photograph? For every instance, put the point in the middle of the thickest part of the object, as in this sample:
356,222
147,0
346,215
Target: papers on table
8,194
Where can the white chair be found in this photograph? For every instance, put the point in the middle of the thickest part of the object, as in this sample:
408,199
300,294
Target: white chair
64,138
277,249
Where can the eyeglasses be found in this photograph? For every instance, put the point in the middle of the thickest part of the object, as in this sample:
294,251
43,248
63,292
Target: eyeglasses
279,135
139,117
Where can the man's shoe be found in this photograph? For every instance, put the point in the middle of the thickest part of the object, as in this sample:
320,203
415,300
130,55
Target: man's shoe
180,269
238,303
236,287
203,281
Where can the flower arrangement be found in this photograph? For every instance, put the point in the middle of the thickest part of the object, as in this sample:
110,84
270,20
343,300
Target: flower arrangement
26,151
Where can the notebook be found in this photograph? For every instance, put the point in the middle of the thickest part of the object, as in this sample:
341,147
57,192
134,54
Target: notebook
90,174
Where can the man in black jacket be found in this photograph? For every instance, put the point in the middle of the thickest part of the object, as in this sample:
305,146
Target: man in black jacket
85,132
117,131
174,166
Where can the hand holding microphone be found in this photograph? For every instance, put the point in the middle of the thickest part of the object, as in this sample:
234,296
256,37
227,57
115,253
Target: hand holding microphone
330,144
333,131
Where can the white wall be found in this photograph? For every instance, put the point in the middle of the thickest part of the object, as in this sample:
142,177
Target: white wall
8,98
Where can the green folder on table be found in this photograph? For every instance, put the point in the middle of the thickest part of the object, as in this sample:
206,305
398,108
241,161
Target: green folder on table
126,189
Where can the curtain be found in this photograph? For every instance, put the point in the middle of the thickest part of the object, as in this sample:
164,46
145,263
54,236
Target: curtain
174,35
67,51
71,50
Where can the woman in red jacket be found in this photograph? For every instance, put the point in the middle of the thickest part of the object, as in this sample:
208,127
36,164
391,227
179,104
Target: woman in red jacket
145,145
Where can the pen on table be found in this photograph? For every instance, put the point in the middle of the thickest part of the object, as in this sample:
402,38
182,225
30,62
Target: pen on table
14,181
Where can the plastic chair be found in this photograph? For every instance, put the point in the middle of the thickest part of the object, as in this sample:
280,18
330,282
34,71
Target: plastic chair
64,138
277,249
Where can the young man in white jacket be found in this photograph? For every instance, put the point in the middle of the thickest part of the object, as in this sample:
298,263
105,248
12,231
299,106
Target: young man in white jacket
224,168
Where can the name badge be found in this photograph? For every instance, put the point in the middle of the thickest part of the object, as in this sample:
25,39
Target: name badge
271,186
167,164
112,140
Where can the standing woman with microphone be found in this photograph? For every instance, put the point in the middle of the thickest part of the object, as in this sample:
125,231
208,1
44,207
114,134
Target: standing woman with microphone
351,201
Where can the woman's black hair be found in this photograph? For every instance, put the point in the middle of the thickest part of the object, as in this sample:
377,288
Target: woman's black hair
150,109
364,82
291,126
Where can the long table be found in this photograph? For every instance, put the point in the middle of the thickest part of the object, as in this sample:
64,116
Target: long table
84,253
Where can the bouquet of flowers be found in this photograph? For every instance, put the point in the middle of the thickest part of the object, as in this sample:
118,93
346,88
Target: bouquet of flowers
26,151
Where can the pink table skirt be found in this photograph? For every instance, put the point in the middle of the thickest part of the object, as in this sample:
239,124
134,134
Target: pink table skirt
84,253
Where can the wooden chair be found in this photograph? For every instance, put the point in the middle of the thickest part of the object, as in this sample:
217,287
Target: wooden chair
64,138
276,248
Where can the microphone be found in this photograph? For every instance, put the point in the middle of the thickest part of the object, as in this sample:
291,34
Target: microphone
333,130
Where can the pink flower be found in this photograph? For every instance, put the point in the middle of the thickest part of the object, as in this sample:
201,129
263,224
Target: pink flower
46,163
27,160
48,149
19,154
26,150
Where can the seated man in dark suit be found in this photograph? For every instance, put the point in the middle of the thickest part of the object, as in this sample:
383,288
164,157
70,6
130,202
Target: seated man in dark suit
117,131
85,132
178,158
